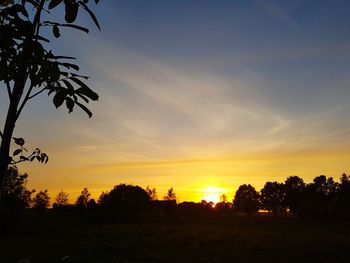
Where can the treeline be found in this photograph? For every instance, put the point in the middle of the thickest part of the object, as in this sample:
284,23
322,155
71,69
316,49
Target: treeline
322,198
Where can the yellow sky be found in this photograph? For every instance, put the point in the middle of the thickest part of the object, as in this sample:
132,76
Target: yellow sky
192,179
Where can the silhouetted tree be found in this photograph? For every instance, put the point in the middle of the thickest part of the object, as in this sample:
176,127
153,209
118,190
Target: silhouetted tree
246,199
223,198
41,200
126,198
15,194
223,206
92,205
171,195
62,198
294,188
319,198
29,67
342,204
83,199
103,199
152,193
272,197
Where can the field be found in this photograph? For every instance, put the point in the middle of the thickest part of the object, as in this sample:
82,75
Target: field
50,237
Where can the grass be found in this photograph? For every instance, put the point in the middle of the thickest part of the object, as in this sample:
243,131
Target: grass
50,237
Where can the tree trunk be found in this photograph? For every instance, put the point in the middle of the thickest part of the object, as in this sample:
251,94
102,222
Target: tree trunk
10,123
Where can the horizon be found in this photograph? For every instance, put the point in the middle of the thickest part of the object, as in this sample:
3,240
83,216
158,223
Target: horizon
199,97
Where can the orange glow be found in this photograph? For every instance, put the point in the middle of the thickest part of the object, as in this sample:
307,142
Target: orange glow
212,193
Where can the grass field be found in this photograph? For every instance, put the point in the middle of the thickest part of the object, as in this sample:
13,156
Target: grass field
51,237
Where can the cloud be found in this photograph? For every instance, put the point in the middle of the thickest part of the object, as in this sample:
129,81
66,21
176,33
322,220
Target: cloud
278,12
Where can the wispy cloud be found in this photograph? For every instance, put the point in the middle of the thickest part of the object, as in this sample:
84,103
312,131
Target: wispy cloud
278,12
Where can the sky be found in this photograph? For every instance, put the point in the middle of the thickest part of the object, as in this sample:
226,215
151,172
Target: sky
201,96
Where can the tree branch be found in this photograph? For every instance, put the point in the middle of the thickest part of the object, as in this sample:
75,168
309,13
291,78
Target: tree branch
26,98
8,86
37,93
8,89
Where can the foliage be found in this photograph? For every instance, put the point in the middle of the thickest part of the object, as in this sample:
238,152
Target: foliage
294,188
15,193
152,193
246,199
83,198
29,67
223,198
62,198
41,200
126,198
171,195
272,197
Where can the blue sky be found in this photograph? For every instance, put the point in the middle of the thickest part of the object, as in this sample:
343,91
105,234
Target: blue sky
199,93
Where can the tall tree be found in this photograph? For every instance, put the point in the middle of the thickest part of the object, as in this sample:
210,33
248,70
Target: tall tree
126,198
41,200
246,199
272,197
294,188
15,192
152,193
171,195
62,198
83,198
29,67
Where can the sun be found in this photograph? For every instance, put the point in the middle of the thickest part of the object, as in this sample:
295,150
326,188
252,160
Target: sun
212,193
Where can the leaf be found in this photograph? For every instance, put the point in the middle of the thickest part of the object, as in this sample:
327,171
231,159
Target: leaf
92,15
69,65
59,97
23,158
77,27
71,11
19,141
54,3
82,97
79,76
16,152
84,109
56,31
69,104
63,57
24,12
85,90
69,86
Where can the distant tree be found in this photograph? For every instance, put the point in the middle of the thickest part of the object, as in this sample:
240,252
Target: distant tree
342,204
15,193
223,198
294,187
103,199
319,198
62,198
246,199
41,200
83,199
152,193
127,198
29,67
272,197
171,195
92,205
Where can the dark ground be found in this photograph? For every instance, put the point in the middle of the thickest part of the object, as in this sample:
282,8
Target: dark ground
64,237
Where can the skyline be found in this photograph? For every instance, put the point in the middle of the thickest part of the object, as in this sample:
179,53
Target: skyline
200,95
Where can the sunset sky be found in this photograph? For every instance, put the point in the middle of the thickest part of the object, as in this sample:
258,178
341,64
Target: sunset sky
200,95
